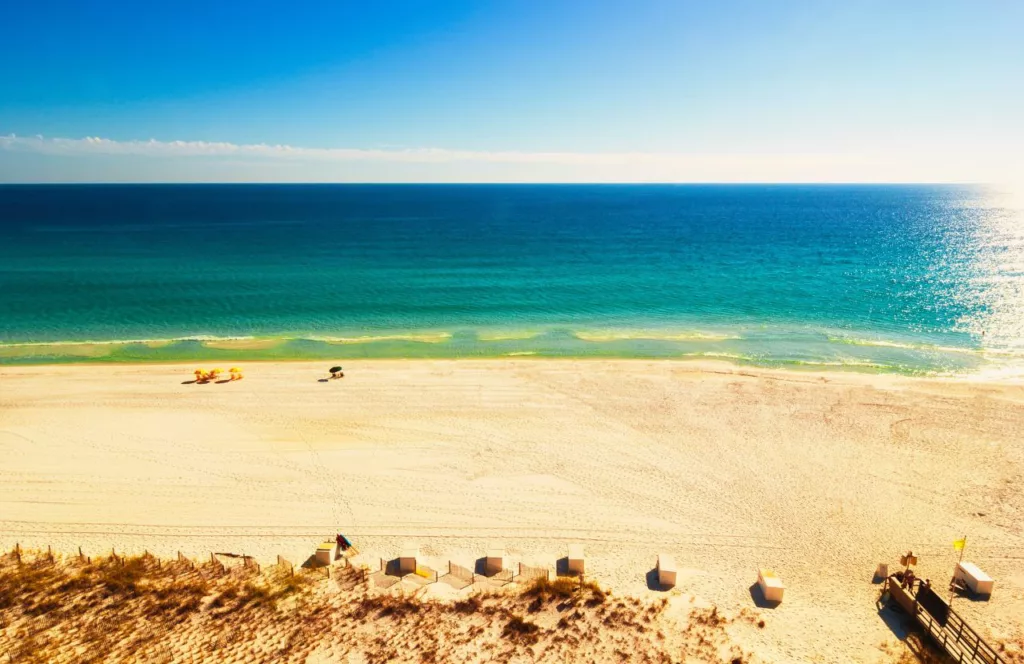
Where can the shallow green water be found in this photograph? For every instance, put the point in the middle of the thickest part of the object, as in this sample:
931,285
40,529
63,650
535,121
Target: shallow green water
906,279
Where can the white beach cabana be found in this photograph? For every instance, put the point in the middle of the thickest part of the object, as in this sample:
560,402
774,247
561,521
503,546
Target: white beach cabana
771,585
494,560
666,570
576,561
407,559
972,576
324,553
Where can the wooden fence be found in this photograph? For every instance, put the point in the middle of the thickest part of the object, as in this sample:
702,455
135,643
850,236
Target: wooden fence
250,565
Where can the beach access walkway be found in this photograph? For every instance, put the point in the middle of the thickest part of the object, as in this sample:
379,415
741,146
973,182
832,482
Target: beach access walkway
938,619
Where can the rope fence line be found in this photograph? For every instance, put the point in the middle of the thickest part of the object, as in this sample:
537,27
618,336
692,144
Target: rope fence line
926,548
937,552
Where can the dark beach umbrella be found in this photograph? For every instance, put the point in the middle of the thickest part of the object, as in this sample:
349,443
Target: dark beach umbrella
335,369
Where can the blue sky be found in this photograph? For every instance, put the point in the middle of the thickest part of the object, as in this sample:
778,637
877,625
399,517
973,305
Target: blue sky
524,90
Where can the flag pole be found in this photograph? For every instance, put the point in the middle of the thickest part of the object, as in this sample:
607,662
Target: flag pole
952,593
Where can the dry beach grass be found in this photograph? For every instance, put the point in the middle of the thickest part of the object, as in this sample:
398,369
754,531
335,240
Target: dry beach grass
56,609
133,609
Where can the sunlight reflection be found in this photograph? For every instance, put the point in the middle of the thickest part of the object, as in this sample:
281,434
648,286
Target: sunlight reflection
995,292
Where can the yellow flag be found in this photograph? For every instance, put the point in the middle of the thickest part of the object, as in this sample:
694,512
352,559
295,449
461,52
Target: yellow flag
958,545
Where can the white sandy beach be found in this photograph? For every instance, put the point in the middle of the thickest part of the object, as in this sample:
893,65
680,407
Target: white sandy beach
819,477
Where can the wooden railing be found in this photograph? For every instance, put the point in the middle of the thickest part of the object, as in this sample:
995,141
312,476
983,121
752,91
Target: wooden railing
956,637
959,640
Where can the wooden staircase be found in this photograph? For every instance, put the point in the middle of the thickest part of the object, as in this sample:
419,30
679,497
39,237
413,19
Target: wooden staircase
942,623
958,639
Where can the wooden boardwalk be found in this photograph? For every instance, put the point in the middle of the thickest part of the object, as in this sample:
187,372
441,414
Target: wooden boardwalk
942,623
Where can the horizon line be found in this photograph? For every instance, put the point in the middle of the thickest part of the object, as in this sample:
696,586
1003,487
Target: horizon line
41,160
510,183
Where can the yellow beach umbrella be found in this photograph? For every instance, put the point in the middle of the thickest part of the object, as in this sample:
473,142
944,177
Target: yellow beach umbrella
217,371
234,370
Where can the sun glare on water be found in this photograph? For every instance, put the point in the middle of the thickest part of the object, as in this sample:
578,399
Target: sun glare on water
998,279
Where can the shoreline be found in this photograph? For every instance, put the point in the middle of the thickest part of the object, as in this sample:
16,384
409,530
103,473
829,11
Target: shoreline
819,476
1004,376
774,347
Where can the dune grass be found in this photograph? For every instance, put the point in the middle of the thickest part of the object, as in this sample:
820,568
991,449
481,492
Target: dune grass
138,609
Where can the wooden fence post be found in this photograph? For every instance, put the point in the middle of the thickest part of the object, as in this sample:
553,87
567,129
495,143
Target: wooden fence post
181,557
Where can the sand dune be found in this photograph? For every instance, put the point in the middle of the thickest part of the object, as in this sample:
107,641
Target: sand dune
140,609
820,476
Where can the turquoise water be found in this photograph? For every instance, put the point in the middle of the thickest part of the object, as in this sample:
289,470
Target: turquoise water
908,279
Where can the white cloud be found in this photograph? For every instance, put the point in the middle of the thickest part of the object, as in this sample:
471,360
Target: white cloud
465,165
154,148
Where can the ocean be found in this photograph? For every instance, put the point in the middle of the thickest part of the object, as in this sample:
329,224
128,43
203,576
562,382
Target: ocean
922,280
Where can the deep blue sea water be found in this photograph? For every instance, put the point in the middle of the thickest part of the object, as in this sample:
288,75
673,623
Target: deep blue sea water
910,279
